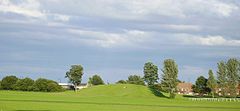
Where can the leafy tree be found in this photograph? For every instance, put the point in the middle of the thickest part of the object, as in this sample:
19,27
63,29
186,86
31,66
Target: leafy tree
211,83
75,75
121,82
150,73
53,86
45,85
96,80
9,82
41,85
222,77
135,79
232,75
169,78
25,84
201,86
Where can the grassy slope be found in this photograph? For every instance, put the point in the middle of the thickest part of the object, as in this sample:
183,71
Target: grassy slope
105,98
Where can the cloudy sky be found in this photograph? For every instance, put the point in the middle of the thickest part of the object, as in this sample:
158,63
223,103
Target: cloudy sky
114,38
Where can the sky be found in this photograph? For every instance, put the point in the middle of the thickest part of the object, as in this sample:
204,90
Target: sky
114,38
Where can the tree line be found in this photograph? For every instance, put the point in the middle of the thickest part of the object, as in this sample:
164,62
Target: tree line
226,82
28,84
169,77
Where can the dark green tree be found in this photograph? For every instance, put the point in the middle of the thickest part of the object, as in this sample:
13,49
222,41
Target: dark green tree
150,73
9,82
96,80
121,82
25,84
40,85
53,86
75,75
169,78
212,82
135,79
222,78
201,86
232,75
45,85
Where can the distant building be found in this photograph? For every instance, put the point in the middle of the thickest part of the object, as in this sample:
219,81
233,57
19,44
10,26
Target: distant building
185,88
71,86
219,91
82,85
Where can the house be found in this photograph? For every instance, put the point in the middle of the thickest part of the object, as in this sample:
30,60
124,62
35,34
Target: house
185,88
66,85
219,91
82,85
70,86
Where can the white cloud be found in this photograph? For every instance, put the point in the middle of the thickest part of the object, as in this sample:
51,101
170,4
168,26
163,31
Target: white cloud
208,40
182,27
60,17
31,9
224,9
108,39
142,9
27,8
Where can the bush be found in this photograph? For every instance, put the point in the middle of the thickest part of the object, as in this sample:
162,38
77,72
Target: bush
135,79
95,80
121,82
40,85
54,87
9,82
46,85
25,84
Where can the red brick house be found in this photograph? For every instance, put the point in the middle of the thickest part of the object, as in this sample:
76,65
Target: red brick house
185,88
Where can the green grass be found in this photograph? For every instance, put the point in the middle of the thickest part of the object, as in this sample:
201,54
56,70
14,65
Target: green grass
106,98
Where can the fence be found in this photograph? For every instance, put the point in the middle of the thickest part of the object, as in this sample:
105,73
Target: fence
216,99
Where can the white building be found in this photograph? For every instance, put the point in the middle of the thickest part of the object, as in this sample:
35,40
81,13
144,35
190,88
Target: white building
71,86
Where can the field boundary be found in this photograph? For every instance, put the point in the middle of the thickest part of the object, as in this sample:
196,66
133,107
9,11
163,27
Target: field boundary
119,104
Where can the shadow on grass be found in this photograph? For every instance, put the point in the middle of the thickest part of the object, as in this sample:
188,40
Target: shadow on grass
32,110
156,92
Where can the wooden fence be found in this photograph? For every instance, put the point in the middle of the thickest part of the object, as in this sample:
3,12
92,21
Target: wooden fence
216,99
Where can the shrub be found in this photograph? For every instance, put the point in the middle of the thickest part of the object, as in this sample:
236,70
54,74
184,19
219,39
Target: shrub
46,85
95,80
9,82
53,87
25,84
121,82
135,79
40,85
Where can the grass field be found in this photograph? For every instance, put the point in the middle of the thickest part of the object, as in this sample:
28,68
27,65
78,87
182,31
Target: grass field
106,98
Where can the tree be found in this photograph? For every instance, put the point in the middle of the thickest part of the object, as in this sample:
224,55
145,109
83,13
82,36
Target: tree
150,73
232,75
169,78
9,82
222,77
135,79
53,86
211,83
40,85
0,85
25,84
121,82
75,75
96,80
45,85
201,86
